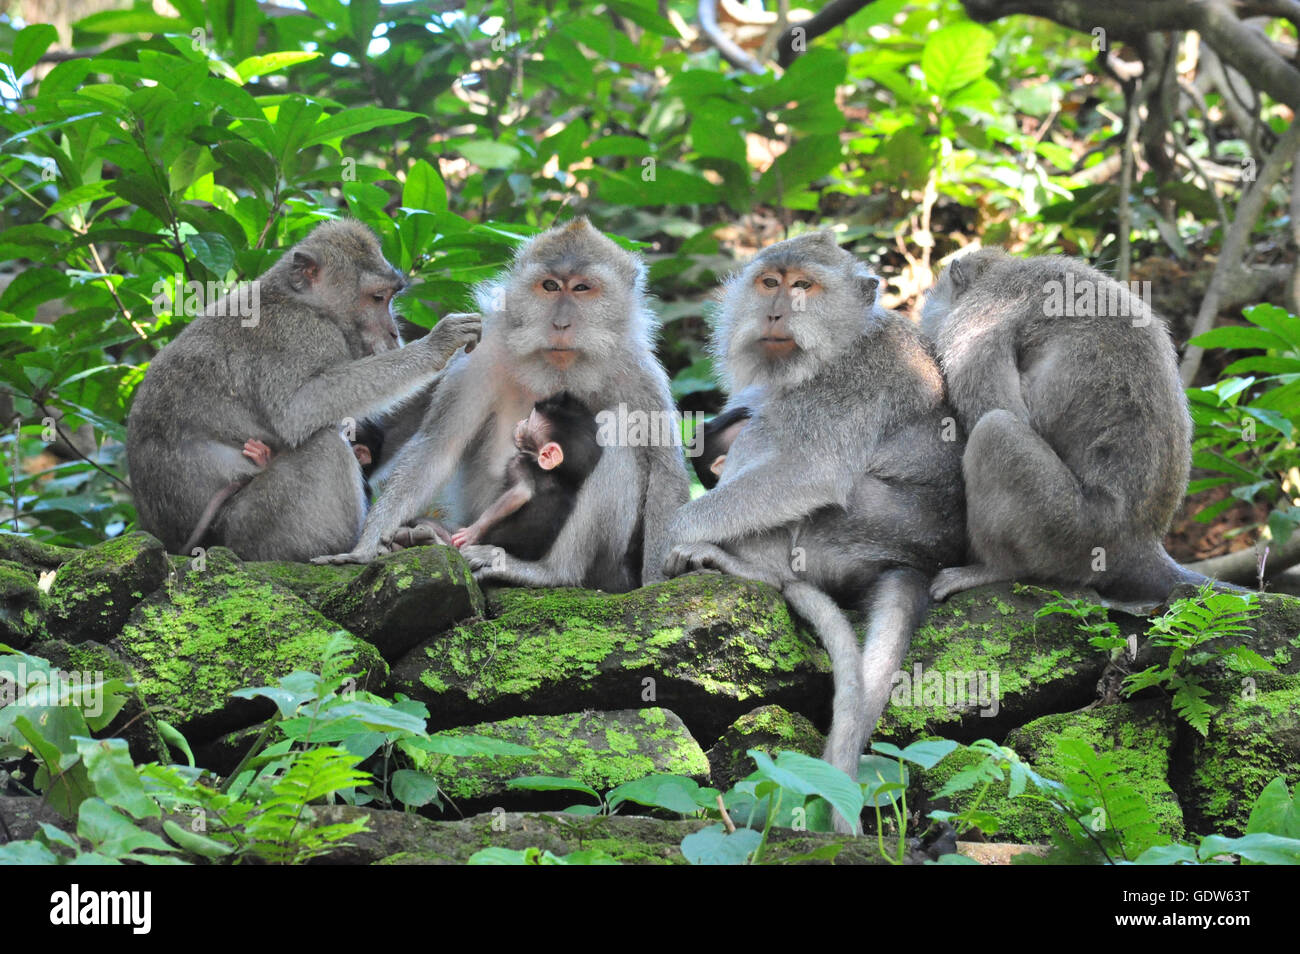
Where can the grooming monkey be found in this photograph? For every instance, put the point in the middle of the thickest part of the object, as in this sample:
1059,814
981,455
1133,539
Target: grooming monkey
323,346
1078,445
841,487
557,451
569,315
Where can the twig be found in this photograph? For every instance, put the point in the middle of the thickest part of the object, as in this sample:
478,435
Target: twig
707,10
726,818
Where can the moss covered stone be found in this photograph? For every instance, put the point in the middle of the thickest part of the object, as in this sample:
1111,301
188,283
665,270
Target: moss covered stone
216,629
94,592
769,728
403,598
1139,737
599,749
403,838
32,552
1252,740
981,664
706,646
22,604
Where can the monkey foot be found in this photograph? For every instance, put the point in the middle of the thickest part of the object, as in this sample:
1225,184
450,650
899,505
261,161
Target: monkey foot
955,579
421,533
257,452
356,556
482,556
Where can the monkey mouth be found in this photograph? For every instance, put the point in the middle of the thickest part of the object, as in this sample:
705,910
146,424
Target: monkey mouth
561,357
778,347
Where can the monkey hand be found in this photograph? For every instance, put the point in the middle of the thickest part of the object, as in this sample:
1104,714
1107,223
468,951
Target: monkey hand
686,557
453,332
421,533
482,557
356,556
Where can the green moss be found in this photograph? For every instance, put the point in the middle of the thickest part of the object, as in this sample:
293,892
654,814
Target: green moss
599,749
1251,741
218,630
724,637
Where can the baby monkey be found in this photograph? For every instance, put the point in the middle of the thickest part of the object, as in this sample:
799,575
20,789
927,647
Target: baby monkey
557,451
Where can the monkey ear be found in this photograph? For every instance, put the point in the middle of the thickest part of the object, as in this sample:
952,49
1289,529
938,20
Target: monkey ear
303,270
717,465
550,456
869,289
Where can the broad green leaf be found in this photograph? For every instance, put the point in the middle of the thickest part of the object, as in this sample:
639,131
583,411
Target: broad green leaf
956,55
1276,812
192,841
353,121
108,763
487,154
424,188
414,789
715,846
30,45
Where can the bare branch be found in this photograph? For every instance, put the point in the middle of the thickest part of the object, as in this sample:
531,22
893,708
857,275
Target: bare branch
823,21
726,47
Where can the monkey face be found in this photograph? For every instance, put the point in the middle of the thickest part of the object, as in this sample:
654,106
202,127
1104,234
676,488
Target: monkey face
570,301
799,304
378,327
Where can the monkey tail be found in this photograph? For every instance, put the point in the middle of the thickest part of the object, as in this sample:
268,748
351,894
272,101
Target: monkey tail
219,500
863,677
1157,574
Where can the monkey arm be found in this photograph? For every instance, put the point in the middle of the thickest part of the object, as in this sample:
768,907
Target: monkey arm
983,375
752,500
667,489
515,496
356,389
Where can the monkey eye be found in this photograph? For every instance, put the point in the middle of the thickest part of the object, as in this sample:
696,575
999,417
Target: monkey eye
582,286
551,285
803,283
379,296
770,282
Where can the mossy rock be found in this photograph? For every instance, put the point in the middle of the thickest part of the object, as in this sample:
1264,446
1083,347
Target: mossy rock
986,665
706,646
769,728
1138,736
1251,740
404,838
310,581
94,661
32,552
22,604
599,749
216,629
403,598
94,592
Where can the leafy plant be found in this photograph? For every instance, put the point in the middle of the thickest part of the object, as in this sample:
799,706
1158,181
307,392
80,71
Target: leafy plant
1246,426
1187,629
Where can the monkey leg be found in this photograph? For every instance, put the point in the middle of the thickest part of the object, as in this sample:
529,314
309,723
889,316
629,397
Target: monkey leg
849,727
308,502
1025,510
706,556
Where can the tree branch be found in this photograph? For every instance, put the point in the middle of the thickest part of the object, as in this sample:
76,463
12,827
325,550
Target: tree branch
726,47
823,21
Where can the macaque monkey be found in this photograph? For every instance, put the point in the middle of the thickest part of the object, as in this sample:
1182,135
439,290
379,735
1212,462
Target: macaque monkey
569,315
717,436
321,346
844,487
558,450
1078,444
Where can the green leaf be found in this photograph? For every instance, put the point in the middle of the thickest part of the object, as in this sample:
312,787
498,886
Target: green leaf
271,63
30,45
173,737
108,763
192,841
715,846
414,789
213,250
956,55
550,783
1236,336
113,834
672,792
487,154
129,21
1276,812
1261,848
353,121
424,188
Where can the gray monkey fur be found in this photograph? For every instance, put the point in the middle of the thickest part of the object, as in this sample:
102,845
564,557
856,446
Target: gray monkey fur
615,538
320,349
846,457
1078,428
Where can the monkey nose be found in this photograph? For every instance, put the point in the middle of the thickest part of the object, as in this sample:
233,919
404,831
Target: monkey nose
775,317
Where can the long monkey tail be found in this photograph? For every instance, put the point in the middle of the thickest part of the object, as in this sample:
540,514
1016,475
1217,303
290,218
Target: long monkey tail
863,677
210,512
